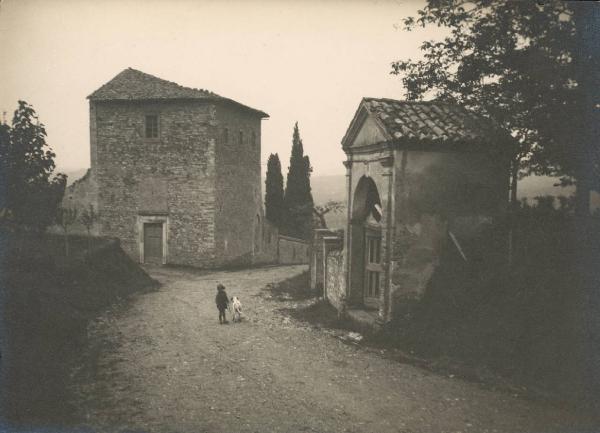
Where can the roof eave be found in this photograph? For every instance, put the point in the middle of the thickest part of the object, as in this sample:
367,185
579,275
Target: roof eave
437,145
262,114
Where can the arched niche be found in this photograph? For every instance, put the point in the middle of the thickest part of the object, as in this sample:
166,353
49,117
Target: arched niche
366,201
365,249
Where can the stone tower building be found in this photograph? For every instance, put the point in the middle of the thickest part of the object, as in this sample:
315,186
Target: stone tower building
177,172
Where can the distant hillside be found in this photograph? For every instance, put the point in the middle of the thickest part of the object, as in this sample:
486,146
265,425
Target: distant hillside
326,188
534,186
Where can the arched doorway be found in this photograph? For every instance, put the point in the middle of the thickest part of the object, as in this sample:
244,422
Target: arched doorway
366,259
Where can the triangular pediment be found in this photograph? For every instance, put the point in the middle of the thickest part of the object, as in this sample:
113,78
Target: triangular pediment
369,133
364,130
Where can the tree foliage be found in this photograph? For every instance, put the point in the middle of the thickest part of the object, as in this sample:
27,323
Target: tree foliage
274,207
298,198
527,65
27,165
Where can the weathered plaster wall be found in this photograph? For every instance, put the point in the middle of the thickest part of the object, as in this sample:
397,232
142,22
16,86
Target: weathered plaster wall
239,224
292,251
369,133
269,250
173,174
437,192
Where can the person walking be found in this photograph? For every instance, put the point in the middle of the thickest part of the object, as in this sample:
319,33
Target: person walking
222,301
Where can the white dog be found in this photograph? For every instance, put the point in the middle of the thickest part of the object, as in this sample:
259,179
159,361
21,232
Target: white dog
236,309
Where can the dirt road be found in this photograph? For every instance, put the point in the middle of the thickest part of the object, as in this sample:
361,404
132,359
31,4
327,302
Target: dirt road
164,364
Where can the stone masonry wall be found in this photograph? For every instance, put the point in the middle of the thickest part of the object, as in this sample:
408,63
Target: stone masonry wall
80,195
172,175
316,260
239,226
335,290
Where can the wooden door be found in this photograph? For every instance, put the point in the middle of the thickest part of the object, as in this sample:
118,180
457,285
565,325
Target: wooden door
373,268
153,243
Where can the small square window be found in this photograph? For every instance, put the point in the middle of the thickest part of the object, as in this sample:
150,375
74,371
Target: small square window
152,126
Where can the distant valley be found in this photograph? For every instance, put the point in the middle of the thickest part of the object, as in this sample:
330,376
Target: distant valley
333,188
325,188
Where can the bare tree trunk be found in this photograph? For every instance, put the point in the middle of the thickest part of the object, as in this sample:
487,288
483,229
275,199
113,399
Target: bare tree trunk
585,16
513,207
321,217
582,194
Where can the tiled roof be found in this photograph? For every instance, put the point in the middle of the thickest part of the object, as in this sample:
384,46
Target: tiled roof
429,121
131,84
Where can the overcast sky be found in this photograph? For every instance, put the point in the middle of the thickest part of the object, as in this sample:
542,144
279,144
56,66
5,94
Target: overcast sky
305,61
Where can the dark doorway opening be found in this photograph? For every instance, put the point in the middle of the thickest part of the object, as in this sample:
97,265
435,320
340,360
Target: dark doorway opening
153,243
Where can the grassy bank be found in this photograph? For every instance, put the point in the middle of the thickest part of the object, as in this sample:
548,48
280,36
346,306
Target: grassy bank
47,300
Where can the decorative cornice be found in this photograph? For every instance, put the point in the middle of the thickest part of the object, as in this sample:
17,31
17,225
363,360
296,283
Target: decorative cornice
369,148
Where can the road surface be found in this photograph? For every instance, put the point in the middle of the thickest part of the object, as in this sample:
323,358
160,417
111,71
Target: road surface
163,363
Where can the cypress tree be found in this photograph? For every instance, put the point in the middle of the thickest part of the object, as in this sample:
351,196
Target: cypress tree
298,198
308,200
274,208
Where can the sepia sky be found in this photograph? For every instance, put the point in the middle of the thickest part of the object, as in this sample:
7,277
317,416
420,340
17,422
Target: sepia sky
305,61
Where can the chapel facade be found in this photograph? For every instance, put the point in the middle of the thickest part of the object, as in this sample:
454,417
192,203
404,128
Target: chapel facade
425,181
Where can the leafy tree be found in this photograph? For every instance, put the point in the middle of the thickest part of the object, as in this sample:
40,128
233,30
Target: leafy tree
27,164
298,198
274,207
529,66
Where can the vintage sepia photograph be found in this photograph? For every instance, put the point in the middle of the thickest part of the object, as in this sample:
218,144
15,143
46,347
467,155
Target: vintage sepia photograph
260,216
